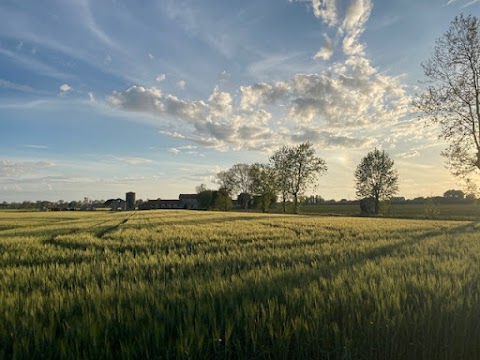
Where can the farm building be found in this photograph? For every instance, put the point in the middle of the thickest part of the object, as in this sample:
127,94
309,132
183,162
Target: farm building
130,200
116,204
185,201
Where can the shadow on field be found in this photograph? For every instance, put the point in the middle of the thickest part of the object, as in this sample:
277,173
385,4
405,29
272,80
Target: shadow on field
57,259
208,221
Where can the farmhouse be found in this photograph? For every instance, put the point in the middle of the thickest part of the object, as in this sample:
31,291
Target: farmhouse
185,201
116,204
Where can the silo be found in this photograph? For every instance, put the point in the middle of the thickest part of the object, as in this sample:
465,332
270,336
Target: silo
130,199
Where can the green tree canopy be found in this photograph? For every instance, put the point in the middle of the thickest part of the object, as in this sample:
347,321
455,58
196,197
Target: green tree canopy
376,178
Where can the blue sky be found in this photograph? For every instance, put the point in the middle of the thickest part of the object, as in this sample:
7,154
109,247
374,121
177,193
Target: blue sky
102,97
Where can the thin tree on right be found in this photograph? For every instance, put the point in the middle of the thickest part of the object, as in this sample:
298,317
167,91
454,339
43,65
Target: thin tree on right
376,178
452,98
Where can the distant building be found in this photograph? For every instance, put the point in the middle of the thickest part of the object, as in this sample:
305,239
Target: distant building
185,201
116,204
189,201
130,200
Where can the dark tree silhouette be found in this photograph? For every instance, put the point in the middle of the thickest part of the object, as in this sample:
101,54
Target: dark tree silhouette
452,99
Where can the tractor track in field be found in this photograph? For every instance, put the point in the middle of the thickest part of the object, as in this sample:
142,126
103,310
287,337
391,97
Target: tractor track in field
54,241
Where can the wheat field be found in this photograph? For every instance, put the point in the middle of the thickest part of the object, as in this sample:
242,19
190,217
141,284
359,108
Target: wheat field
212,285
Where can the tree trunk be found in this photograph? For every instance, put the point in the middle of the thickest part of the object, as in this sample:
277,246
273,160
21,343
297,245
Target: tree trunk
284,204
295,204
377,205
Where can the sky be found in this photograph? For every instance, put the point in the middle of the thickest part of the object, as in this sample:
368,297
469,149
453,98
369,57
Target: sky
98,98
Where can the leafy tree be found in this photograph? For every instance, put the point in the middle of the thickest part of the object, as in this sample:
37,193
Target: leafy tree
452,99
240,182
376,178
223,200
205,199
280,162
200,188
454,194
367,206
304,169
264,184
223,178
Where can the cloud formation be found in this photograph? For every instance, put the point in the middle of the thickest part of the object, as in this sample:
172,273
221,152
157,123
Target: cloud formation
351,93
65,88
181,84
18,87
326,10
16,169
326,51
211,123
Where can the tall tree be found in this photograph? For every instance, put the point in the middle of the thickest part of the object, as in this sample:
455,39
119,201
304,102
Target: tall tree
280,162
263,184
304,169
376,178
452,98
226,188
240,181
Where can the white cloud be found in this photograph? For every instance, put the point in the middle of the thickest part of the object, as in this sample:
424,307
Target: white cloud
210,123
18,87
409,154
262,94
220,104
65,88
353,26
321,107
326,51
186,150
326,10
32,146
150,56
353,94
181,84
91,96
160,77
174,151
350,29
330,140
472,2
133,160
16,169
175,135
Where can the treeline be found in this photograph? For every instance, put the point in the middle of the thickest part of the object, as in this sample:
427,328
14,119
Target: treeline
398,200
60,205
289,172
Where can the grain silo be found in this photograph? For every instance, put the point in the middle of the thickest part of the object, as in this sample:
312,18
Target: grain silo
130,199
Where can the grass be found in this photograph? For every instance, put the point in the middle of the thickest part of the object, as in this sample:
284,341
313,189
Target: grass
182,285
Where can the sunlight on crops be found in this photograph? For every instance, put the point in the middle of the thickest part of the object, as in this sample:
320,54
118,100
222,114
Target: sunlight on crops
180,284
